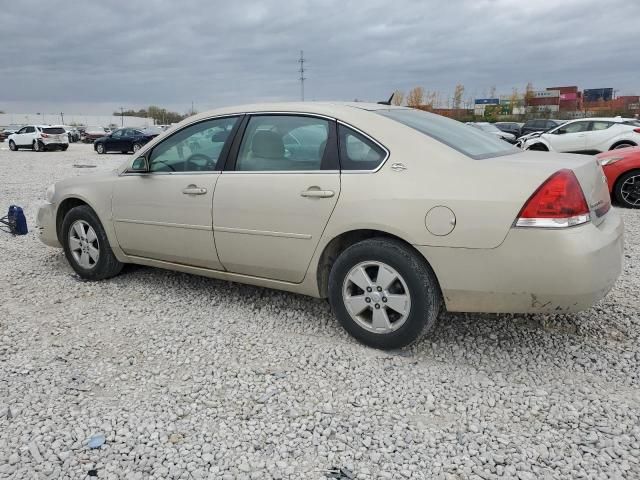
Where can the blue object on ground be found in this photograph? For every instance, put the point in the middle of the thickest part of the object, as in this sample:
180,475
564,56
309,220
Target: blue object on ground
96,441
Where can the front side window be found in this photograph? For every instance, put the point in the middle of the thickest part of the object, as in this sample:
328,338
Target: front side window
283,143
463,138
575,127
357,152
194,148
117,133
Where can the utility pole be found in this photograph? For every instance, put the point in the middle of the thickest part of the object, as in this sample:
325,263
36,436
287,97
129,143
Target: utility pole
62,117
192,107
121,117
301,72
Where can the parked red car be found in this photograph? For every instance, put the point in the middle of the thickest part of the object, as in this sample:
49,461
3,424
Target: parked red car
622,168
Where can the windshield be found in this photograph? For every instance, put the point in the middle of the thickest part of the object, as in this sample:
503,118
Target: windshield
463,138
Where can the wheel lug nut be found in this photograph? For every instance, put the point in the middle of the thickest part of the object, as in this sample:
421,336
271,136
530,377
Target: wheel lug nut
377,305
368,289
367,299
379,289
384,299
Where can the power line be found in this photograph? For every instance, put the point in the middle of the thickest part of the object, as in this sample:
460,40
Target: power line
301,72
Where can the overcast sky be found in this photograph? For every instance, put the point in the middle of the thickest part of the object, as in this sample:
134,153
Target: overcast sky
93,57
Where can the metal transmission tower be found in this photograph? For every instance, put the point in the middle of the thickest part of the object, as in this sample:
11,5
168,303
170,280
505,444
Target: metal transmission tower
302,77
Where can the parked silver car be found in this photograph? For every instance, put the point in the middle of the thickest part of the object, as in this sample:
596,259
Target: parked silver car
391,213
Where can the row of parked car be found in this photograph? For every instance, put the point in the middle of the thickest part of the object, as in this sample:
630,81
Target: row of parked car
58,137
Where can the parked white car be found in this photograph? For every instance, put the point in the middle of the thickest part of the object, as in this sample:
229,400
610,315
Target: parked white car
586,135
39,138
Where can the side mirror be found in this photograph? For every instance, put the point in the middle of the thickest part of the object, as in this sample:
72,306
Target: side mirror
139,165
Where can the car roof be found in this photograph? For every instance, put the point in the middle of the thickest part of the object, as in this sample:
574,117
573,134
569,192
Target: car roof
332,109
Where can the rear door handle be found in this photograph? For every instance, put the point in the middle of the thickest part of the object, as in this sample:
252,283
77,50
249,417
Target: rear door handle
318,193
194,190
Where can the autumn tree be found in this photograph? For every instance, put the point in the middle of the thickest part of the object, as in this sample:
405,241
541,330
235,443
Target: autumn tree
398,97
415,98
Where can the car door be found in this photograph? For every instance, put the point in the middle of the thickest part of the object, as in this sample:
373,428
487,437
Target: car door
600,134
570,137
163,212
274,199
19,138
113,142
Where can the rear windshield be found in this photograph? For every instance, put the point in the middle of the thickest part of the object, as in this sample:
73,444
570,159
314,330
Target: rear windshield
463,138
53,130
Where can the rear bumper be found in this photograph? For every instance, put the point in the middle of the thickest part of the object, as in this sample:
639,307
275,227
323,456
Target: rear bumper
46,225
533,270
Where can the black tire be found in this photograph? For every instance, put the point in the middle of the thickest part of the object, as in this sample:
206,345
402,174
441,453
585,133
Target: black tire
38,146
620,195
426,299
136,147
107,265
100,148
622,145
64,148
12,146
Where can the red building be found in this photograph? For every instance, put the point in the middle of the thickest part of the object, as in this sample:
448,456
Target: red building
570,98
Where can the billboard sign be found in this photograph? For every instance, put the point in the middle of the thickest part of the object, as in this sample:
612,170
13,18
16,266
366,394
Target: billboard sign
546,93
596,94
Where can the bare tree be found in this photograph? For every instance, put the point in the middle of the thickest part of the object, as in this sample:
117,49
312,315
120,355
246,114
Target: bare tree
398,97
415,98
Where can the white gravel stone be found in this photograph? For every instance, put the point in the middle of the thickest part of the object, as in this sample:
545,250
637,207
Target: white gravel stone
189,377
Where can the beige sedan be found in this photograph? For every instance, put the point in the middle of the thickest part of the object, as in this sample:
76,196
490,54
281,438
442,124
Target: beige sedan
391,213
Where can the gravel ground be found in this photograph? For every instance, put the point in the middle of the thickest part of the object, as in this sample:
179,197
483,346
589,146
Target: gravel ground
190,377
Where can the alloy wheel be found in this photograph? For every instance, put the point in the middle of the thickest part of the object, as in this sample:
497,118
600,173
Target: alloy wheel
83,244
630,191
376,297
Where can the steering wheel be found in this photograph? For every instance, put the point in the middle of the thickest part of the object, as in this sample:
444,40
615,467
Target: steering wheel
194,162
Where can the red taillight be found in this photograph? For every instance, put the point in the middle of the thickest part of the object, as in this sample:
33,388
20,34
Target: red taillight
44,135
559,202
637,130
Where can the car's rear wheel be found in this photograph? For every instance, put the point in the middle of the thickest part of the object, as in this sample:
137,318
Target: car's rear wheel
383,293
12,146
38,146
627,189
623,145
100,148
86,245
136,147
64,148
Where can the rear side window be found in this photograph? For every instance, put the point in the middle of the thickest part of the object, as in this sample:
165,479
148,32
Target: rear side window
600,125
53,130
357,152
466,139
30,130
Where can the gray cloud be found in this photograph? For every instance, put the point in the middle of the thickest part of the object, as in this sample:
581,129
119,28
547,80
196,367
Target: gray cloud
91,57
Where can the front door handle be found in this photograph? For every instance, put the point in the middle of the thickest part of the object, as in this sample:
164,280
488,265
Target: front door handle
317,193
194,190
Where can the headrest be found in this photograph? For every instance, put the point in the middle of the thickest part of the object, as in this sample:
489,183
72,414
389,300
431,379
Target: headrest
267,144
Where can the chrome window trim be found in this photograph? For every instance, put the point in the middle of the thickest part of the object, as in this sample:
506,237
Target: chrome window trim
278,172
385,149
272,112
138,174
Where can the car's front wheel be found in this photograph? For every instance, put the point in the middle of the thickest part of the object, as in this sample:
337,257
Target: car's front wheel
627,189
86,245
136,147
100,148
12,146
384,293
